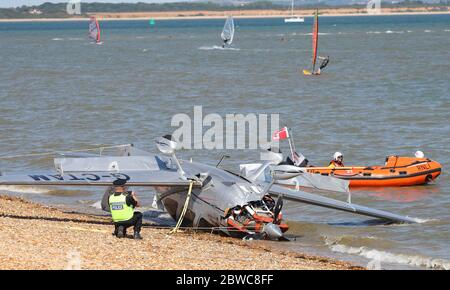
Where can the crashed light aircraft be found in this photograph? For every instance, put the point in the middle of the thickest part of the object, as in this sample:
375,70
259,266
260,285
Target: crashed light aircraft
237,204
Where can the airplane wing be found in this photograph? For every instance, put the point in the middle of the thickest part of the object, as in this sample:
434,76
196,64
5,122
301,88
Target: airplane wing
313,199
317,181
303,179
89,178
151,170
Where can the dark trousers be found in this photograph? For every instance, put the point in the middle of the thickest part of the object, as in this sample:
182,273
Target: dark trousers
135,222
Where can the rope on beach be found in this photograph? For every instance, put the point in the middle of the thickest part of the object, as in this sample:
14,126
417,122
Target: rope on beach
101,148
183,213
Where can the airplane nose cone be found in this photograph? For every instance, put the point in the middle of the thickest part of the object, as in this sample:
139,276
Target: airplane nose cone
272,231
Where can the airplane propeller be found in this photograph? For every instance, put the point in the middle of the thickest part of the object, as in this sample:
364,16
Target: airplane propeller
272,230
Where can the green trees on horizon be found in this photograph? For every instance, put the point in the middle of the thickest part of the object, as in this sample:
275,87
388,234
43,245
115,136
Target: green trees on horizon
58,10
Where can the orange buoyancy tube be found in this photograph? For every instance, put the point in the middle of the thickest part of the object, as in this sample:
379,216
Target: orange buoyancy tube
398,171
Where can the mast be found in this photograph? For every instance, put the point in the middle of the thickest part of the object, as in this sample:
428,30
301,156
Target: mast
315,39
292,9
98,30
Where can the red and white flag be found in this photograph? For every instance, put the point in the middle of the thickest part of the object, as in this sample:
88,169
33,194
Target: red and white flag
280,134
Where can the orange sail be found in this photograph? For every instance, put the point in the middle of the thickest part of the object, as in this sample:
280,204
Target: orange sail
315,39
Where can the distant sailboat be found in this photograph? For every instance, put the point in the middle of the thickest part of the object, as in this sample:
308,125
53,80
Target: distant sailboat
94,30
227,34
293,18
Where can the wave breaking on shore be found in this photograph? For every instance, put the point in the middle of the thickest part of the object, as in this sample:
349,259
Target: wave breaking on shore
382,256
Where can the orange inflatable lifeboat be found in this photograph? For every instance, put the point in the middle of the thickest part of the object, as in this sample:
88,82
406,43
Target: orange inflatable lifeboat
398,171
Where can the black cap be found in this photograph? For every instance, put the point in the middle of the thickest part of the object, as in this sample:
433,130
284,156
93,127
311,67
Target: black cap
120,182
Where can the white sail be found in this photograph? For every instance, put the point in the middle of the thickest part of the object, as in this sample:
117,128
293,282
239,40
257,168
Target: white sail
228,30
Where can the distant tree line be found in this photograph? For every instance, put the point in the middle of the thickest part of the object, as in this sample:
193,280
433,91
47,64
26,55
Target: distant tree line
58,10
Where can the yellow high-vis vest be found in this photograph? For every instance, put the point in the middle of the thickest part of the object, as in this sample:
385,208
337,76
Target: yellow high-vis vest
120,211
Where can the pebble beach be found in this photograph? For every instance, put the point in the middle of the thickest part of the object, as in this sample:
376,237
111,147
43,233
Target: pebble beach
35,236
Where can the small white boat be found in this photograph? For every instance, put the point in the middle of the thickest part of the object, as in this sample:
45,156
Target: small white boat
293,18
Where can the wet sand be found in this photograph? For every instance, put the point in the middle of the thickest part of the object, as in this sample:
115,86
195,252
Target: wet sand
203,14
35,236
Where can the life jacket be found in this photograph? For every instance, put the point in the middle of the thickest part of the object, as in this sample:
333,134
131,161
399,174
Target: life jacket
120,211
334,164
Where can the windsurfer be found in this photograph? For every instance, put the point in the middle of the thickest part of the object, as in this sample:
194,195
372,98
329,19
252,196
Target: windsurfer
94,30
225,42
228,32
325,61
323,64
315,44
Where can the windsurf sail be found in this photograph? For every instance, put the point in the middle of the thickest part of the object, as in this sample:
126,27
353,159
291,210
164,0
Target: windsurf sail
94,29
228,31
315,39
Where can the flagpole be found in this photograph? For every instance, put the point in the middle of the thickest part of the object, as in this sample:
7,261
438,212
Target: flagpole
291,145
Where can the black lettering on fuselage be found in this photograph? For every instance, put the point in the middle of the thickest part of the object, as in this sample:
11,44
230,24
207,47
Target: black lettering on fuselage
121,176
39,177
74,178
90,177
82,177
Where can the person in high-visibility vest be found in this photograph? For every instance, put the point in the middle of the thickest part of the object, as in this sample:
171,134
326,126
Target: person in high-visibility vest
122,204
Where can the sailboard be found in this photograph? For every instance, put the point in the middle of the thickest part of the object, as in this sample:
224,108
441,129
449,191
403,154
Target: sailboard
315,44
94,30
227,34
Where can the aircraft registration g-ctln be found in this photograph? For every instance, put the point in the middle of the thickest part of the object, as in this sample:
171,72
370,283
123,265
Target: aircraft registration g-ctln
82,176
238,204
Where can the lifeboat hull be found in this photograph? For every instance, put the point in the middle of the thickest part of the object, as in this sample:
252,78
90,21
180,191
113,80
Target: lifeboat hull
398,171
